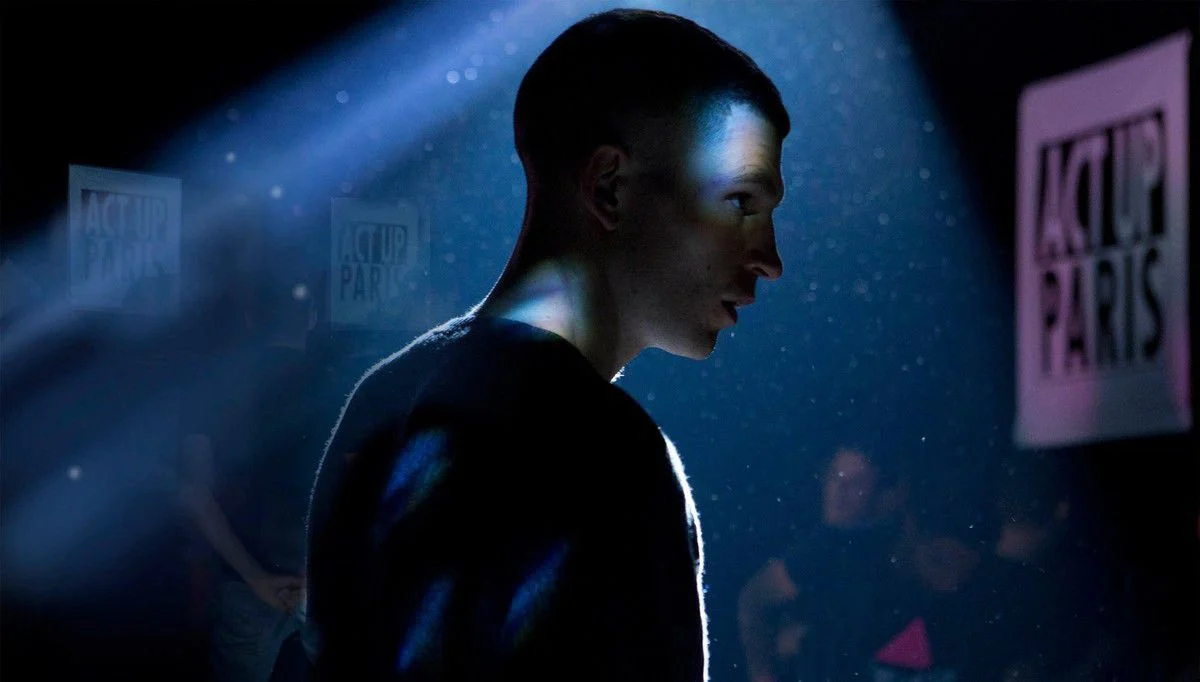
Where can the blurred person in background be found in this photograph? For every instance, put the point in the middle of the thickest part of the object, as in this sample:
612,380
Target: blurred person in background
933,614
1065,611
920,605
933,609
247,475
797,597
1044,609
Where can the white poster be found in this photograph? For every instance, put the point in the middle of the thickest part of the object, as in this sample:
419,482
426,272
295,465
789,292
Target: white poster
124,240
1102,251
379,265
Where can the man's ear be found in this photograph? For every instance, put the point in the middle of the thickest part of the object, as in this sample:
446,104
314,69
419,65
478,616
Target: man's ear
602,184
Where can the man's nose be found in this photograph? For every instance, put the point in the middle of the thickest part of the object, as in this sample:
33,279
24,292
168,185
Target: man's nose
764,257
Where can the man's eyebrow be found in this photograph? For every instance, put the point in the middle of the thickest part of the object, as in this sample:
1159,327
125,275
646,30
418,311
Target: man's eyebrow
765,179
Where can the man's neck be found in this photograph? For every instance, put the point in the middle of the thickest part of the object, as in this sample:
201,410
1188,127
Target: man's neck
567,296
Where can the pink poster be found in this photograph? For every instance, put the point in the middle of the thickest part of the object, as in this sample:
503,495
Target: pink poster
1102,251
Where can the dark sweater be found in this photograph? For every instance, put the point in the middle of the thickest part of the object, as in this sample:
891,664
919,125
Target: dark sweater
509,515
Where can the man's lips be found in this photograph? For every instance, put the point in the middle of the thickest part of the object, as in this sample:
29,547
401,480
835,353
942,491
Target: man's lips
732,303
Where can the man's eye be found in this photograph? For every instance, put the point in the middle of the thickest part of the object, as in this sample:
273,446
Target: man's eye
741,201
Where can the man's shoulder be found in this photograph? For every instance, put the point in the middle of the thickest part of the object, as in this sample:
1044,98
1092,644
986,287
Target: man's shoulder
386,391
469,349
519,380
635,421
417,353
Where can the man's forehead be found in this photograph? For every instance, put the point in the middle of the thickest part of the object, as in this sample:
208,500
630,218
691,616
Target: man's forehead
739,146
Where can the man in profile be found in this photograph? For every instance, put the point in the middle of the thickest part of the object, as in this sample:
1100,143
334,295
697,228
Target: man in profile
508,512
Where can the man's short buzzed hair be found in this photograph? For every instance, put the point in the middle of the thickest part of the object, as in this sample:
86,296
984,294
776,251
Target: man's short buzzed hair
628,65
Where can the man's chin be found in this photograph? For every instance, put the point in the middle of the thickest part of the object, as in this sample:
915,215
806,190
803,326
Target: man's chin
700,347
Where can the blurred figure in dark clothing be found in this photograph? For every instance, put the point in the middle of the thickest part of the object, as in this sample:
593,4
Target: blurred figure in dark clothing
798,596
1061,602
247,476
917,602
931,615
